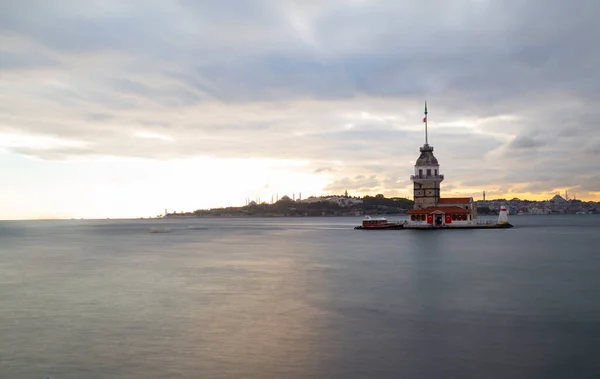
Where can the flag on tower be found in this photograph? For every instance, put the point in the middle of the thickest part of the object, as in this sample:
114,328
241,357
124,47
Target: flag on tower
425,118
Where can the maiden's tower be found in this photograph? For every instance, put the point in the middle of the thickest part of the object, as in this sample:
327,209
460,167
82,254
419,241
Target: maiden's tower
430,210
429,207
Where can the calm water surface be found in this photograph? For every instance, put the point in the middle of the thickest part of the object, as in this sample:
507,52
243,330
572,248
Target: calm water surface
299,298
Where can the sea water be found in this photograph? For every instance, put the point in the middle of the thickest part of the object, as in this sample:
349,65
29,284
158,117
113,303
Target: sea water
298,298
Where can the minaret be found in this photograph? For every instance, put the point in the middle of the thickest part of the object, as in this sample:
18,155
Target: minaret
427,178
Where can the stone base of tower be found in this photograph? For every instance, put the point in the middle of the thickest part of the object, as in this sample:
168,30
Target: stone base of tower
424,202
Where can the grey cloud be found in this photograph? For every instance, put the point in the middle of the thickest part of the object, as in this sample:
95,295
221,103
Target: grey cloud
283,80
359,183
166,96
594,149
24,61
376,168
591,184
99,116
525,142
63,153
542,187
156,123
382,59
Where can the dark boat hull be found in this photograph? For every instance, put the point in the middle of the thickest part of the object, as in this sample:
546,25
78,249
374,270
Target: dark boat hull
381,227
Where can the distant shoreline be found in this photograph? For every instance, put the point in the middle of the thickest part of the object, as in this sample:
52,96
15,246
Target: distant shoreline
337,216
269,216
265,216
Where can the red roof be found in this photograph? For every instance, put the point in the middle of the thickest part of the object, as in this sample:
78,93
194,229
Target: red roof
455,200
441,209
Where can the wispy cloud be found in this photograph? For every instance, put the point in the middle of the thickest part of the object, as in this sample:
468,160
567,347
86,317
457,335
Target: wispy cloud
333,83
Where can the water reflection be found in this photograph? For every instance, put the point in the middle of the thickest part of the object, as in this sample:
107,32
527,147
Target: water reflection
107,299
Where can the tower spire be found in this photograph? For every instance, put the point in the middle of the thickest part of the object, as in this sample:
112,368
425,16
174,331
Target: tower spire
425,121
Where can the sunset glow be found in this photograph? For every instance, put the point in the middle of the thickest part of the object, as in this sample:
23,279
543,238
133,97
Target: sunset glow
180,107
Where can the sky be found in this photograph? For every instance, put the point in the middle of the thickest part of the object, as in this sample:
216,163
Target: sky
125,108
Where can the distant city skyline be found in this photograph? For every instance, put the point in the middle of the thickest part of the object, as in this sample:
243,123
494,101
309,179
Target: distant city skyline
125,108
346,205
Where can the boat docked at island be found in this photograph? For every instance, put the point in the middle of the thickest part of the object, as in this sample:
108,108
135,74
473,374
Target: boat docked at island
430,210
379,223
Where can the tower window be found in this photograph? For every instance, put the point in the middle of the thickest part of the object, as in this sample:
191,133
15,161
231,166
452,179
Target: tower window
420,172
428,172
435,172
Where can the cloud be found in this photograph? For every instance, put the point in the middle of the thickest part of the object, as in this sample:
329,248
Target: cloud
359,183
525,142
28,61
324,169
593,148
336,83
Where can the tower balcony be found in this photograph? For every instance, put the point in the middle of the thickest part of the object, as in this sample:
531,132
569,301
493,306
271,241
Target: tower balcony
427,177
